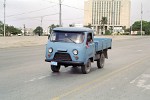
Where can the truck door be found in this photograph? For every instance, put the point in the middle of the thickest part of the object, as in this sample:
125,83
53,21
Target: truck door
90,46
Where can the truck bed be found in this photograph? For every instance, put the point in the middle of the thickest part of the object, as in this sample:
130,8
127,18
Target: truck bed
102,43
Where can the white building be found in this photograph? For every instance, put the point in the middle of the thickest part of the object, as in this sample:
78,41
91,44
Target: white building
117,13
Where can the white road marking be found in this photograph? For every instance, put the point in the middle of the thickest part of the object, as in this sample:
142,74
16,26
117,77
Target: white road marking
112,88
41,77
139,50
36,79
133,81
33,79
142,81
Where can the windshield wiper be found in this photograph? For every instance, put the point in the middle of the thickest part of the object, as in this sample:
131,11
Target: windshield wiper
71,40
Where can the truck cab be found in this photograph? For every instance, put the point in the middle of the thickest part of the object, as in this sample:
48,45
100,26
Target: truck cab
71,47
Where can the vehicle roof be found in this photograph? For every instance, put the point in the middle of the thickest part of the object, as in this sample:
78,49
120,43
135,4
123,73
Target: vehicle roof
73,29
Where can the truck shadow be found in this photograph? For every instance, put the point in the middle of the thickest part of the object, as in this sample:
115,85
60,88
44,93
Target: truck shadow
77,70
73,70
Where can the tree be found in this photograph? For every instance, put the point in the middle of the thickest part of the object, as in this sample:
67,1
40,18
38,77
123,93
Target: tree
89,25
38,31
1,27
51,27
12,30
146,27
1,23
9,29
104,22
71,25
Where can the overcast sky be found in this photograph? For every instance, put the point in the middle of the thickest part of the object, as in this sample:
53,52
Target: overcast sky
29,12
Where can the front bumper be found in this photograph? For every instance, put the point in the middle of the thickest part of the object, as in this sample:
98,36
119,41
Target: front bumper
67,63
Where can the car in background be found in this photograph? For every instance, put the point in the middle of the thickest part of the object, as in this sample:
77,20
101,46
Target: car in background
19,34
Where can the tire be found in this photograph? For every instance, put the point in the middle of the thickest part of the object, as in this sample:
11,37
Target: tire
86,68
55,68
101,61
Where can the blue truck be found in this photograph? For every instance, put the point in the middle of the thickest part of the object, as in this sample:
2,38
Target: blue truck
76,47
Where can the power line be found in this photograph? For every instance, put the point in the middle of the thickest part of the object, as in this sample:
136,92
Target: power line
73,7
67,5
30,11
44,15
28,18
64,19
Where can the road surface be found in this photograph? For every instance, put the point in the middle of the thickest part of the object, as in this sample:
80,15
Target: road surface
126,76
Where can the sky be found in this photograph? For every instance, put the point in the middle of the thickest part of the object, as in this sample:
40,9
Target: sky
30,12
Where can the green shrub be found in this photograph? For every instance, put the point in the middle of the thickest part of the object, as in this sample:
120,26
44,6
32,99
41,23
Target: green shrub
126,33
107,32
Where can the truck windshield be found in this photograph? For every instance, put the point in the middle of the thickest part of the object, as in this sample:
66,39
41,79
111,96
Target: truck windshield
73,37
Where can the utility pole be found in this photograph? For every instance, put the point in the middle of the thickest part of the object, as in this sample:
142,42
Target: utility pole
41,25
141,18
41,21
24,27
112,16
4,18
60,24
131,30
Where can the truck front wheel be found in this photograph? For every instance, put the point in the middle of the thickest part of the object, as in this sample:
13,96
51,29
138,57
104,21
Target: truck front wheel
86,68
55,68
101,61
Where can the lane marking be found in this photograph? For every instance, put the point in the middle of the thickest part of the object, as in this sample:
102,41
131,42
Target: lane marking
139,50
142,81
36,79
133,81
99,79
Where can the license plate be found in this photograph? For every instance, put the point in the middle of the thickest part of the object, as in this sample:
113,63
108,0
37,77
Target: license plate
54,63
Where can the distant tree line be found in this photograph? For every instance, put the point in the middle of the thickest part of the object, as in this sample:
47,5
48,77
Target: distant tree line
39,29
9,30
137,27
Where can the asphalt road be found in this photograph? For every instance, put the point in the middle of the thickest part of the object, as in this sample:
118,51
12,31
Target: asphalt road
126,76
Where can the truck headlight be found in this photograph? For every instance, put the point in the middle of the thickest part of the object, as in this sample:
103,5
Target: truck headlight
75,52
50,50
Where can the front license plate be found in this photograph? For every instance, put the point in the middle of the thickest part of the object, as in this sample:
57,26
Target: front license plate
54,63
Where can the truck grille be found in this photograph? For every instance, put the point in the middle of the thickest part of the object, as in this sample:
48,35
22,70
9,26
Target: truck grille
62,57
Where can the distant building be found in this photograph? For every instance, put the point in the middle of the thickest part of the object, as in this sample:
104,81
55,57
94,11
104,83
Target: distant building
27,32
78,25
117,13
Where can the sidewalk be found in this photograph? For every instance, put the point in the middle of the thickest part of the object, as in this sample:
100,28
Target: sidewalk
19,41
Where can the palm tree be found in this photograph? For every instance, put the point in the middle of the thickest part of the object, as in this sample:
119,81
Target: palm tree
104,22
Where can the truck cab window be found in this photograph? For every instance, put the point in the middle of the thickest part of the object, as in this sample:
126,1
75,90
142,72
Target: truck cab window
72,37
89,37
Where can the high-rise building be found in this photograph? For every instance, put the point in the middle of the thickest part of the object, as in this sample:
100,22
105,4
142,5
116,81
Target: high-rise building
117,13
